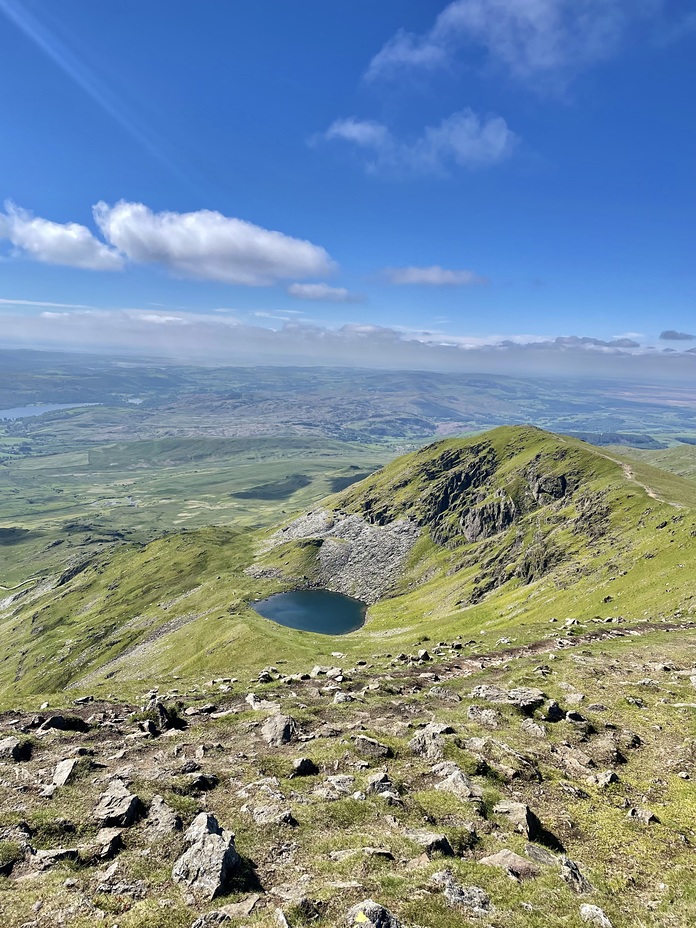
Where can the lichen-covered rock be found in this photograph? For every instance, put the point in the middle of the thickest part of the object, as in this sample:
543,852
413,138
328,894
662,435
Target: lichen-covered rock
428,742
370,913
472,898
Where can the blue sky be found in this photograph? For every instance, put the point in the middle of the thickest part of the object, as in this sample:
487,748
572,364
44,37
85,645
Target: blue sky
465,174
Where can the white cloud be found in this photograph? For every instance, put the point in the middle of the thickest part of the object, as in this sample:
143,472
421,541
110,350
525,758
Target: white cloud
323,293
212,338
55,243
361,131
434,276
461,140
208,245
529,38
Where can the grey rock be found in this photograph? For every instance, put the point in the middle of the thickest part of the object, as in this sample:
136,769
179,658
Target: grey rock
270,815
44,860
14,749
572,875
206,867
370,747
64,771
428,742
533,729
603,779
593,915
107,843
162,817
526,699
202,825
211,919
370,913
117,807
472,898
459,784
553,712
521,816
64,723
279,729
645,816
489,718
379,783
304,767
512,863
431,842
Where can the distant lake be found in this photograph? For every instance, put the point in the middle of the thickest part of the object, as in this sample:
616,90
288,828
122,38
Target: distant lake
21,412
314,611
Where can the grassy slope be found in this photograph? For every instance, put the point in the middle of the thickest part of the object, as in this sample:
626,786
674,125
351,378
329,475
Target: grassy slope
65,505
680,459
635,569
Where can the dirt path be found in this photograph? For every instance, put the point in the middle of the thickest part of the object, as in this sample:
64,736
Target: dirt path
17,586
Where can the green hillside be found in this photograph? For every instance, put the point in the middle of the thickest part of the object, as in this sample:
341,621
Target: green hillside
520,530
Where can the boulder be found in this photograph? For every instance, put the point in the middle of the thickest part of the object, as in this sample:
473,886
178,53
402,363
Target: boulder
593,915
271,815
489,718
64,771
428,742
211,859
211,919
524,698
279,729
105,845
369,914
521,816
117,807
472,898
304,767
64,723
572,875
431,842
14,749
459,784
515,865
161,817
370,747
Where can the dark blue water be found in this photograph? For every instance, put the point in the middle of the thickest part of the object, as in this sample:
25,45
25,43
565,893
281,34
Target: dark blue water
314,611
21,412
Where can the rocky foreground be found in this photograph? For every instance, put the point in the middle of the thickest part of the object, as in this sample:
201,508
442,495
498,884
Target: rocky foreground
435,789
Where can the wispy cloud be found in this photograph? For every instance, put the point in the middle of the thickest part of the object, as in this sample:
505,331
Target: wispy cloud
215,338
533,40
323,293
463,140
68,243
434,276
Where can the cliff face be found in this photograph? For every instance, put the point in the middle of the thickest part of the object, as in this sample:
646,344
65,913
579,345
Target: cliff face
470,492
501,503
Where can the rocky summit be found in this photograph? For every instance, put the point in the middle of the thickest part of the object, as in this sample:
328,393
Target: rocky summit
509,741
